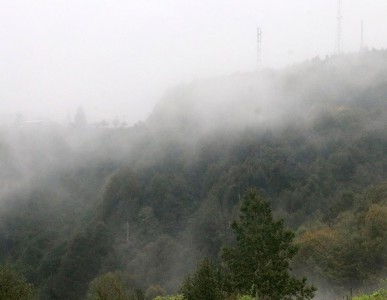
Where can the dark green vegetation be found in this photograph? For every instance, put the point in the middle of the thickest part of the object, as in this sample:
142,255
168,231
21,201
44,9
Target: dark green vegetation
207,282
13,286
116,286
258,263
379,294
151,201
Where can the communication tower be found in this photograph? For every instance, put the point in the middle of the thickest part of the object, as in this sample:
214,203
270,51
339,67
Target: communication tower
259,48
127,232
362,36
339,37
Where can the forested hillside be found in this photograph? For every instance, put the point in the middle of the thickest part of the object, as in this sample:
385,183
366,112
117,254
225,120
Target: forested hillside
152,200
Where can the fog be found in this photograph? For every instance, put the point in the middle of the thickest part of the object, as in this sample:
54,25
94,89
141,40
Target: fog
117,58
129,130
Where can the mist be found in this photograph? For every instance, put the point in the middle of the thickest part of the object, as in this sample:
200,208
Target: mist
159,196
116,59
130,130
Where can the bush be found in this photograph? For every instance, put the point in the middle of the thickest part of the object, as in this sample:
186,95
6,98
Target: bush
13,286
176,297
378,295
245,297
113,285
154,291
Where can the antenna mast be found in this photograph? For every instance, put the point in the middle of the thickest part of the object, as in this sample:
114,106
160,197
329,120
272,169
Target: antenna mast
259,48
339,27
127,232
362,36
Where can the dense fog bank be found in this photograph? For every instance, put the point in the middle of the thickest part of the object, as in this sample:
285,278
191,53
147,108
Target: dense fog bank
153,199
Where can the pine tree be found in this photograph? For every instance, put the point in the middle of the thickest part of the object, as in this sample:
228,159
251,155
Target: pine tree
259,262
205,283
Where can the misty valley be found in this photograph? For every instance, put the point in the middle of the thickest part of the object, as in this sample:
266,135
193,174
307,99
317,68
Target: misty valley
263,185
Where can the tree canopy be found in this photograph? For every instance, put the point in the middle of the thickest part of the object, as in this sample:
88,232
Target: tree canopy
205,283
13,286
152,199
259,262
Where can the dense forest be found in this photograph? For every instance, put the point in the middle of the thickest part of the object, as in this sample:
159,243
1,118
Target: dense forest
148,202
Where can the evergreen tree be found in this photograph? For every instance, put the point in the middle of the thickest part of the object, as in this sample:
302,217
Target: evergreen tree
205,283
259,261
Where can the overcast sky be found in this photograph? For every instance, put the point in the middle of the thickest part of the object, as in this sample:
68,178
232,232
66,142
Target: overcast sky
118,57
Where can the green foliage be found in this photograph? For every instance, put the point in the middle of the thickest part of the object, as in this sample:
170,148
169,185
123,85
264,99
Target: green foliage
245,297
113,285
177,297
176,181
378,295
259,262
81,262
351,251
13,286
154,291
205,283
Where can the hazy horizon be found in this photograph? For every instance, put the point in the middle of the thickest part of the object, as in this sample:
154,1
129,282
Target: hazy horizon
117,58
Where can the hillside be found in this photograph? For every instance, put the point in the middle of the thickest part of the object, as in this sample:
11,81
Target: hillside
153,199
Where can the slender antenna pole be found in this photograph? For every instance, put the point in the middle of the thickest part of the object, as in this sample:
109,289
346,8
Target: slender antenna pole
362,36
259,48
127,232
339,38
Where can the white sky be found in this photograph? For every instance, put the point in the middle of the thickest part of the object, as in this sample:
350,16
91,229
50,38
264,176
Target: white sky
118,57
